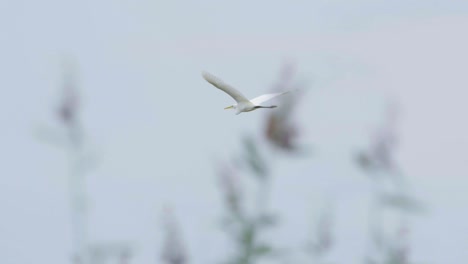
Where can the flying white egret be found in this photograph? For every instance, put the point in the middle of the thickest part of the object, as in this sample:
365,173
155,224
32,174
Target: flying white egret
243,104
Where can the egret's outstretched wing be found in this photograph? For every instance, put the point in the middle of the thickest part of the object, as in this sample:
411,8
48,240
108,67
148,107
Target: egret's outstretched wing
266,97
216,82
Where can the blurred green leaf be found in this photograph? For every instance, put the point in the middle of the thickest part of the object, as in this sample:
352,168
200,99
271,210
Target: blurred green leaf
402,202
262,250
248,235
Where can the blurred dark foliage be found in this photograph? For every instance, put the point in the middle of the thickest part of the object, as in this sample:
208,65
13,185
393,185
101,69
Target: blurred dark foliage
173,251
69,106
281,129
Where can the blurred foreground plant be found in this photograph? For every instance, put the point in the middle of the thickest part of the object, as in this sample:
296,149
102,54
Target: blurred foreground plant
71,137
245,227
173,251
280,129
72,140
390,193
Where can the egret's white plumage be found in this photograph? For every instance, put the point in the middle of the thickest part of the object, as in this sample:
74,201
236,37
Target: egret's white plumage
243,104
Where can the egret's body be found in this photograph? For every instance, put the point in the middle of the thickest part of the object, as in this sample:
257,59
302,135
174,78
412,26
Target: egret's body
243,104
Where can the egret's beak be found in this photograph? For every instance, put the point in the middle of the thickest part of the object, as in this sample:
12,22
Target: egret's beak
229,107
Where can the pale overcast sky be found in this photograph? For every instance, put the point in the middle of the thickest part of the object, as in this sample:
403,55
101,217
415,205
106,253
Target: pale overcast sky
157,127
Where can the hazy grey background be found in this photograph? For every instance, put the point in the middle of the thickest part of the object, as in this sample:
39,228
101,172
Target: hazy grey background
157,127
